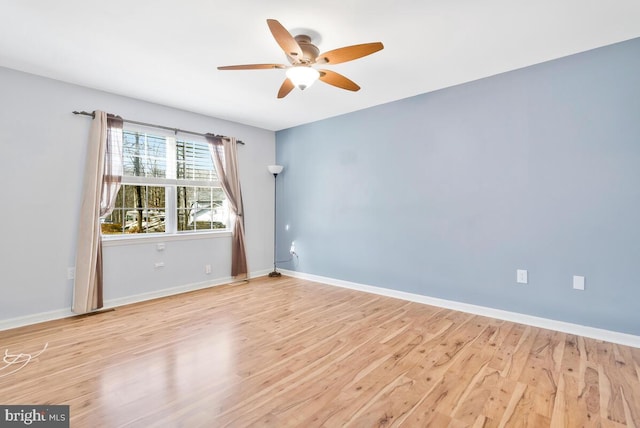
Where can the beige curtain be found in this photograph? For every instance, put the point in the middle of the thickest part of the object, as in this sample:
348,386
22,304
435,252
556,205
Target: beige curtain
225,155
102,178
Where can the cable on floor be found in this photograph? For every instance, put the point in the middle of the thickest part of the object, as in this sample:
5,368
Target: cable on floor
16,359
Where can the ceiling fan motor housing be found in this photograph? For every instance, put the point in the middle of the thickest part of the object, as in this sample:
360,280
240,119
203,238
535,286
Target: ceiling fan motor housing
309,51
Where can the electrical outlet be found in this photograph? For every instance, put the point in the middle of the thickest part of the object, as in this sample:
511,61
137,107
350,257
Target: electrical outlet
578,282
292,250
71,273
522,276
207,269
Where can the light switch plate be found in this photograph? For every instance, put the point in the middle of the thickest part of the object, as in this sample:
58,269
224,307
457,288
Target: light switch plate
578,282
522,276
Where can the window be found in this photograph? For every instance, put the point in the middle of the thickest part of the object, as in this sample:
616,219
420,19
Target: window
169,185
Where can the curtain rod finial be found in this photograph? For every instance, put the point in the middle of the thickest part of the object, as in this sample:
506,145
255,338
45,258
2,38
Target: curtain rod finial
85,113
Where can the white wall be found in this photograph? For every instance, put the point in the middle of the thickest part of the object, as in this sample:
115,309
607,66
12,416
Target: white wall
42,153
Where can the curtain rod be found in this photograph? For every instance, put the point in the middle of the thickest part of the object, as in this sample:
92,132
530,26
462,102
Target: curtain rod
175,130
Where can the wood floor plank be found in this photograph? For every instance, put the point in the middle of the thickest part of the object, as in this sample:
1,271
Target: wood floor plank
500,397
284,352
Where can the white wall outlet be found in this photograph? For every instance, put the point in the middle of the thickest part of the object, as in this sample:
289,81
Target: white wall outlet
71,273
522,276
292,250
160,246
207,269
578,282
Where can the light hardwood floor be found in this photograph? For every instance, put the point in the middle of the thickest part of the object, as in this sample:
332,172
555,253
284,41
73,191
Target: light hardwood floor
286,352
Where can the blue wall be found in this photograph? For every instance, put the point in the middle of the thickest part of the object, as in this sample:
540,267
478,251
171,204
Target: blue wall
447,193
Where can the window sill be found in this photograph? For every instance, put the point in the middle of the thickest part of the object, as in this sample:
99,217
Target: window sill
122,240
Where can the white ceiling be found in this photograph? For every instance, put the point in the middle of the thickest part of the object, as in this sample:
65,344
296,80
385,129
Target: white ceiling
167,51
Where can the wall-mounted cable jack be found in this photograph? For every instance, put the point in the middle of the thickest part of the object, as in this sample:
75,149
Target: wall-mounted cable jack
292,253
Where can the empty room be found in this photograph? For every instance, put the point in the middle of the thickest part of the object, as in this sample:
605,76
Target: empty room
336,214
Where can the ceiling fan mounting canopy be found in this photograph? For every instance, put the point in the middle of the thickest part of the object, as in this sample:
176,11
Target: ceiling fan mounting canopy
302,54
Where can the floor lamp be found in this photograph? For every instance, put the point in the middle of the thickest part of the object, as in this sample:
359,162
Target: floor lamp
275,170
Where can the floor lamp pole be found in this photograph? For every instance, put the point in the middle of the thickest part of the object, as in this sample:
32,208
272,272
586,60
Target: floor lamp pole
275,170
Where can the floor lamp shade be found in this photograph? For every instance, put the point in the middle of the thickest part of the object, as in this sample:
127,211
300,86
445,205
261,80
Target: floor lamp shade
275,169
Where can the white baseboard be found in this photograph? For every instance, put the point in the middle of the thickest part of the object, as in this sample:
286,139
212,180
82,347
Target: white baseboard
259,273
35,318
565,327
112,303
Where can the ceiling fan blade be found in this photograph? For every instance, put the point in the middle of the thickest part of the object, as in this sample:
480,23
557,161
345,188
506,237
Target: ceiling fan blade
349,53
285,40
338,80
286,87
252,67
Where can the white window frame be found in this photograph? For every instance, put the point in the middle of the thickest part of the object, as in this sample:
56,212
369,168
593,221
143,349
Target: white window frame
170,183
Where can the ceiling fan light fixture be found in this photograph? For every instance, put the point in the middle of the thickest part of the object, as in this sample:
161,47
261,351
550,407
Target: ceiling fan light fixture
302,76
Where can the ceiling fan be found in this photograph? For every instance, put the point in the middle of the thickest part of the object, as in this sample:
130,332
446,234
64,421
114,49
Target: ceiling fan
302,55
